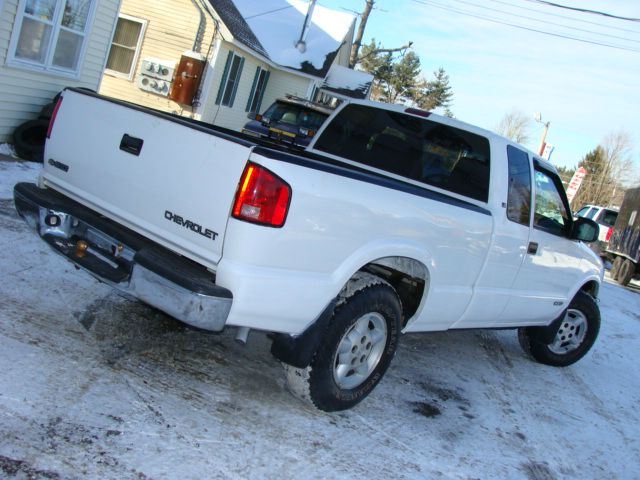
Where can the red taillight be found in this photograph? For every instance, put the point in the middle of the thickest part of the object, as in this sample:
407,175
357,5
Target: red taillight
609,232
262,197
53,117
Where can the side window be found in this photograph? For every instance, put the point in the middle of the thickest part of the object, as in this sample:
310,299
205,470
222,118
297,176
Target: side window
125,47
445,157
257,90
583,212
51,35
592,213
608,217
230,80
550,212
519,195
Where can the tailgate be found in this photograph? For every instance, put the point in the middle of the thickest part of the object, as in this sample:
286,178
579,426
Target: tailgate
169,181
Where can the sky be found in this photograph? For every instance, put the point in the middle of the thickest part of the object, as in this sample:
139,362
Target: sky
585,91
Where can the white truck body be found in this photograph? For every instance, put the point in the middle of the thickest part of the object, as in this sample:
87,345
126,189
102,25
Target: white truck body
476,267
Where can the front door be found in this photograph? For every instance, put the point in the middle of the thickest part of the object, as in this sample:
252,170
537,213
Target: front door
551,267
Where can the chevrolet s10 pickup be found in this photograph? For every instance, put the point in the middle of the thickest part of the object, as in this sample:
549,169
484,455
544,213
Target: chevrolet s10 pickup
392,220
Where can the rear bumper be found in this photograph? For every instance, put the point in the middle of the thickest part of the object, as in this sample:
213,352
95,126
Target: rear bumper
124,259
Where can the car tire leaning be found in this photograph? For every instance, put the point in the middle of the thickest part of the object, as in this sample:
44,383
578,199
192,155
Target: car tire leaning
29,138
572,338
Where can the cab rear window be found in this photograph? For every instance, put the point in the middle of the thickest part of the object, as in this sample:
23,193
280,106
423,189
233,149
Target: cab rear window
417,148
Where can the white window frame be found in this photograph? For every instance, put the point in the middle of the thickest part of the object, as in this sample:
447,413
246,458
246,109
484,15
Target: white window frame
136,55
48,67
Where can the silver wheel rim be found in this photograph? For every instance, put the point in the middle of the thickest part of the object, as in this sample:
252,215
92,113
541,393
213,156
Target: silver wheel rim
360,350
571,333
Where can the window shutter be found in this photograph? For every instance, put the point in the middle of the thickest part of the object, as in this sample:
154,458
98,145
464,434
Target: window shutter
264,87
253,89
225,74
236,83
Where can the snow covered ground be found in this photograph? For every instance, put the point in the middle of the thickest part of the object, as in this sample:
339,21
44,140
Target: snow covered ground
96,386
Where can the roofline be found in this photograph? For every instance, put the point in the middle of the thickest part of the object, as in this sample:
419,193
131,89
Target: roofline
271,63
214,15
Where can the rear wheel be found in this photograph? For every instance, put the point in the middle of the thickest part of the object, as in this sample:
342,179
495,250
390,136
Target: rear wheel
626,272
356,350
573,336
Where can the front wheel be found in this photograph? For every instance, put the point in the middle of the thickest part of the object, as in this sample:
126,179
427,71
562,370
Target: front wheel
357,348
573,336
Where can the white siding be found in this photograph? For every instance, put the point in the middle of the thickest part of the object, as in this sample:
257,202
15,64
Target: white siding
171,31
24,92
280,83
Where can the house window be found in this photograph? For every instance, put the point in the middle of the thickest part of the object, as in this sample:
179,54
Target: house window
125,47
51,35
230,80
257,90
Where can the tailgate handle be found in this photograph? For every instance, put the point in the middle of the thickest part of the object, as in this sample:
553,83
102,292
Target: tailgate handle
131,144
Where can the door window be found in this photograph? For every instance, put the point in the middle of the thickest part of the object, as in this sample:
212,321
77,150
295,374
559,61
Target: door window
519,196
550,211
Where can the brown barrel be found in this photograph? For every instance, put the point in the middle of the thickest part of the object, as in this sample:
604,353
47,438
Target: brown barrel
187,79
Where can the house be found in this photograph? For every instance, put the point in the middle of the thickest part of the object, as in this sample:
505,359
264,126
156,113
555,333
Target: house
46,45
221,60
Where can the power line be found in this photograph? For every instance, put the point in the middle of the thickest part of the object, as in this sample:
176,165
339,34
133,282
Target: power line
581,20
268,12
548,22
585,10
522,27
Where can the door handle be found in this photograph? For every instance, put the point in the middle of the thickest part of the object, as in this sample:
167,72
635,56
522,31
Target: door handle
131,144
533,248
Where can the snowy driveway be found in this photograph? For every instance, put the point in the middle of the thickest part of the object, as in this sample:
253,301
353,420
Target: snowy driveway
96,386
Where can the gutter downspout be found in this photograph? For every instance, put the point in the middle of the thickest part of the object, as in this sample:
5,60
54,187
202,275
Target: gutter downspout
197,44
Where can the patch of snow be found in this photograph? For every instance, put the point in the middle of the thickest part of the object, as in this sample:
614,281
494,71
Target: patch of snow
7,149
278,28
348,82
96,386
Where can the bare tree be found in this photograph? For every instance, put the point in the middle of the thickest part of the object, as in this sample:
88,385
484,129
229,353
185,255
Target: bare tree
610,171
515,126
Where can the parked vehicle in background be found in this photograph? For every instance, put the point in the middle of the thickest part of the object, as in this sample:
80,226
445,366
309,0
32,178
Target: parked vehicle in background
605,217
289,120
624,246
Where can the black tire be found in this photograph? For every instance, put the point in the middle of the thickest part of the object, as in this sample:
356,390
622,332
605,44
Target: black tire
626,272
355,327
615,269
47,111
29,138
572,338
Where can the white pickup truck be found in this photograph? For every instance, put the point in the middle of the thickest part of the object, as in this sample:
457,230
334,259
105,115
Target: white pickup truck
393,220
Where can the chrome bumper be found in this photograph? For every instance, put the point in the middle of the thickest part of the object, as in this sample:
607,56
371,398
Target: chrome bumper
124,259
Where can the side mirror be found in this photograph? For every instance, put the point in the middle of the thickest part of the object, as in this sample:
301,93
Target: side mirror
585,229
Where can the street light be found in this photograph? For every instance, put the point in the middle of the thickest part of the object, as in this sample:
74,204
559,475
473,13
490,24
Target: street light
538,118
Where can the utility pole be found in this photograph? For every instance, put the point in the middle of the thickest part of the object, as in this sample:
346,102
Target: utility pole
357,41
543,140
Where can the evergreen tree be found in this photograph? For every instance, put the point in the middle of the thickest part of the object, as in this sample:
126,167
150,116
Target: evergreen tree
431,94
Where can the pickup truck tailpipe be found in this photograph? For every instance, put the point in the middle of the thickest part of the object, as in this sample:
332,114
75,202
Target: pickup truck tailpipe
242,334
